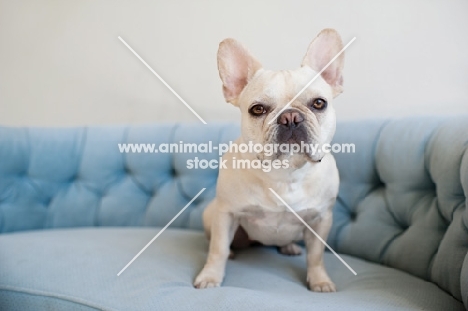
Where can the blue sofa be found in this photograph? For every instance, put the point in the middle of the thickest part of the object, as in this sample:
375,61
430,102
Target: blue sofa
74,211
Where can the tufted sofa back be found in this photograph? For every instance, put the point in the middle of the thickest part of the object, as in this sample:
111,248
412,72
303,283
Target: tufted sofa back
402,198
73,177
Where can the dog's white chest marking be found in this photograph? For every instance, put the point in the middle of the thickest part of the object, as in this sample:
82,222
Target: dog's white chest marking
275,228
270,222
293,195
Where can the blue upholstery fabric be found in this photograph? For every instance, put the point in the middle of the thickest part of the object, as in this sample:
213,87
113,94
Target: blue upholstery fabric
464,282
53,178
76,269
402,201
402,198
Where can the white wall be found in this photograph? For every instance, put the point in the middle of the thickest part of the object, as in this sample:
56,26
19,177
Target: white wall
62,64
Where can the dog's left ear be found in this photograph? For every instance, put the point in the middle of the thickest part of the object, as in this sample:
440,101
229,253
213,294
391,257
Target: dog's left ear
321,50
236,67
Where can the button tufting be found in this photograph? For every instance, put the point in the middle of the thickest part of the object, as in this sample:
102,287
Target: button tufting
127,171
74,178
47,202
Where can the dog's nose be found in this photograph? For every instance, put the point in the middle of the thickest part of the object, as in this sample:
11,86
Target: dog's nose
290,118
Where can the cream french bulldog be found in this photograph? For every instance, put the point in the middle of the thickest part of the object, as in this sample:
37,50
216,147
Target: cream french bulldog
244,209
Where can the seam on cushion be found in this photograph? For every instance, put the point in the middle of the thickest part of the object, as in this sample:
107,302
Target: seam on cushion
376,187
428,143
96,212
175,126
385,185
28,135
447,225
52,295
176,180
148,195
171,139
387,246
84,138
140,186
350,212
103,193
2,222
414,208
127,169
82,147
387,208
464,269
374,159
95,192
220,136
155,191
374,149
124,154
181,190
33,185
454,210
441,216
465,228
460,172
340,229
431,262
340,199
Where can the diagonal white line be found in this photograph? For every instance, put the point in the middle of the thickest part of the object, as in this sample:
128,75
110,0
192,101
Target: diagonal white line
159,233
315,233
161,79
313,79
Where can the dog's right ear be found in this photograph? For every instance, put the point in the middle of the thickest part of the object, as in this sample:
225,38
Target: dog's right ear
236,67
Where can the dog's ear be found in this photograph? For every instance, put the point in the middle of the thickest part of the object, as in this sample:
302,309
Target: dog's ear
236,67
321,50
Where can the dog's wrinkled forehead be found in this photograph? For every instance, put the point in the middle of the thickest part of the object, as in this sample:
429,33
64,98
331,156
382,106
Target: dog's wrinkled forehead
243,75
277,88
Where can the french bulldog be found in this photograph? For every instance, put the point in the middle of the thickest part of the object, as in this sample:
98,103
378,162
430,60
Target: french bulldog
244,210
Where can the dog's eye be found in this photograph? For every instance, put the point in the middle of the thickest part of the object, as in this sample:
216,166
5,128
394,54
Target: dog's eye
319,104
257,110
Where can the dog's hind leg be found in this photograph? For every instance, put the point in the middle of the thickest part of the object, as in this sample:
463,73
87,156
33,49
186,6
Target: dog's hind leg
291,249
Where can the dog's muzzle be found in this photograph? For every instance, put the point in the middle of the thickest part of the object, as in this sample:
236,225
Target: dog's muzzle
291,127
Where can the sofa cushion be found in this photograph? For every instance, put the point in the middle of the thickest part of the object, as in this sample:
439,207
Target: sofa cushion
76,269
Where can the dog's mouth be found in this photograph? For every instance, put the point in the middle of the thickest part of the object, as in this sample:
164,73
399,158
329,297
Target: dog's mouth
294,135
292,143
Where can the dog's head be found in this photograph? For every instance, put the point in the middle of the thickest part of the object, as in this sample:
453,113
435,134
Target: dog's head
262,94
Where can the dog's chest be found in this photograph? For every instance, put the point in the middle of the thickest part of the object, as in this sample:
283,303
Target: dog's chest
275,228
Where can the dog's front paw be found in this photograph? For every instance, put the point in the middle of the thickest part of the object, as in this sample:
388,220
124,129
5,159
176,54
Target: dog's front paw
322,287
208,279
